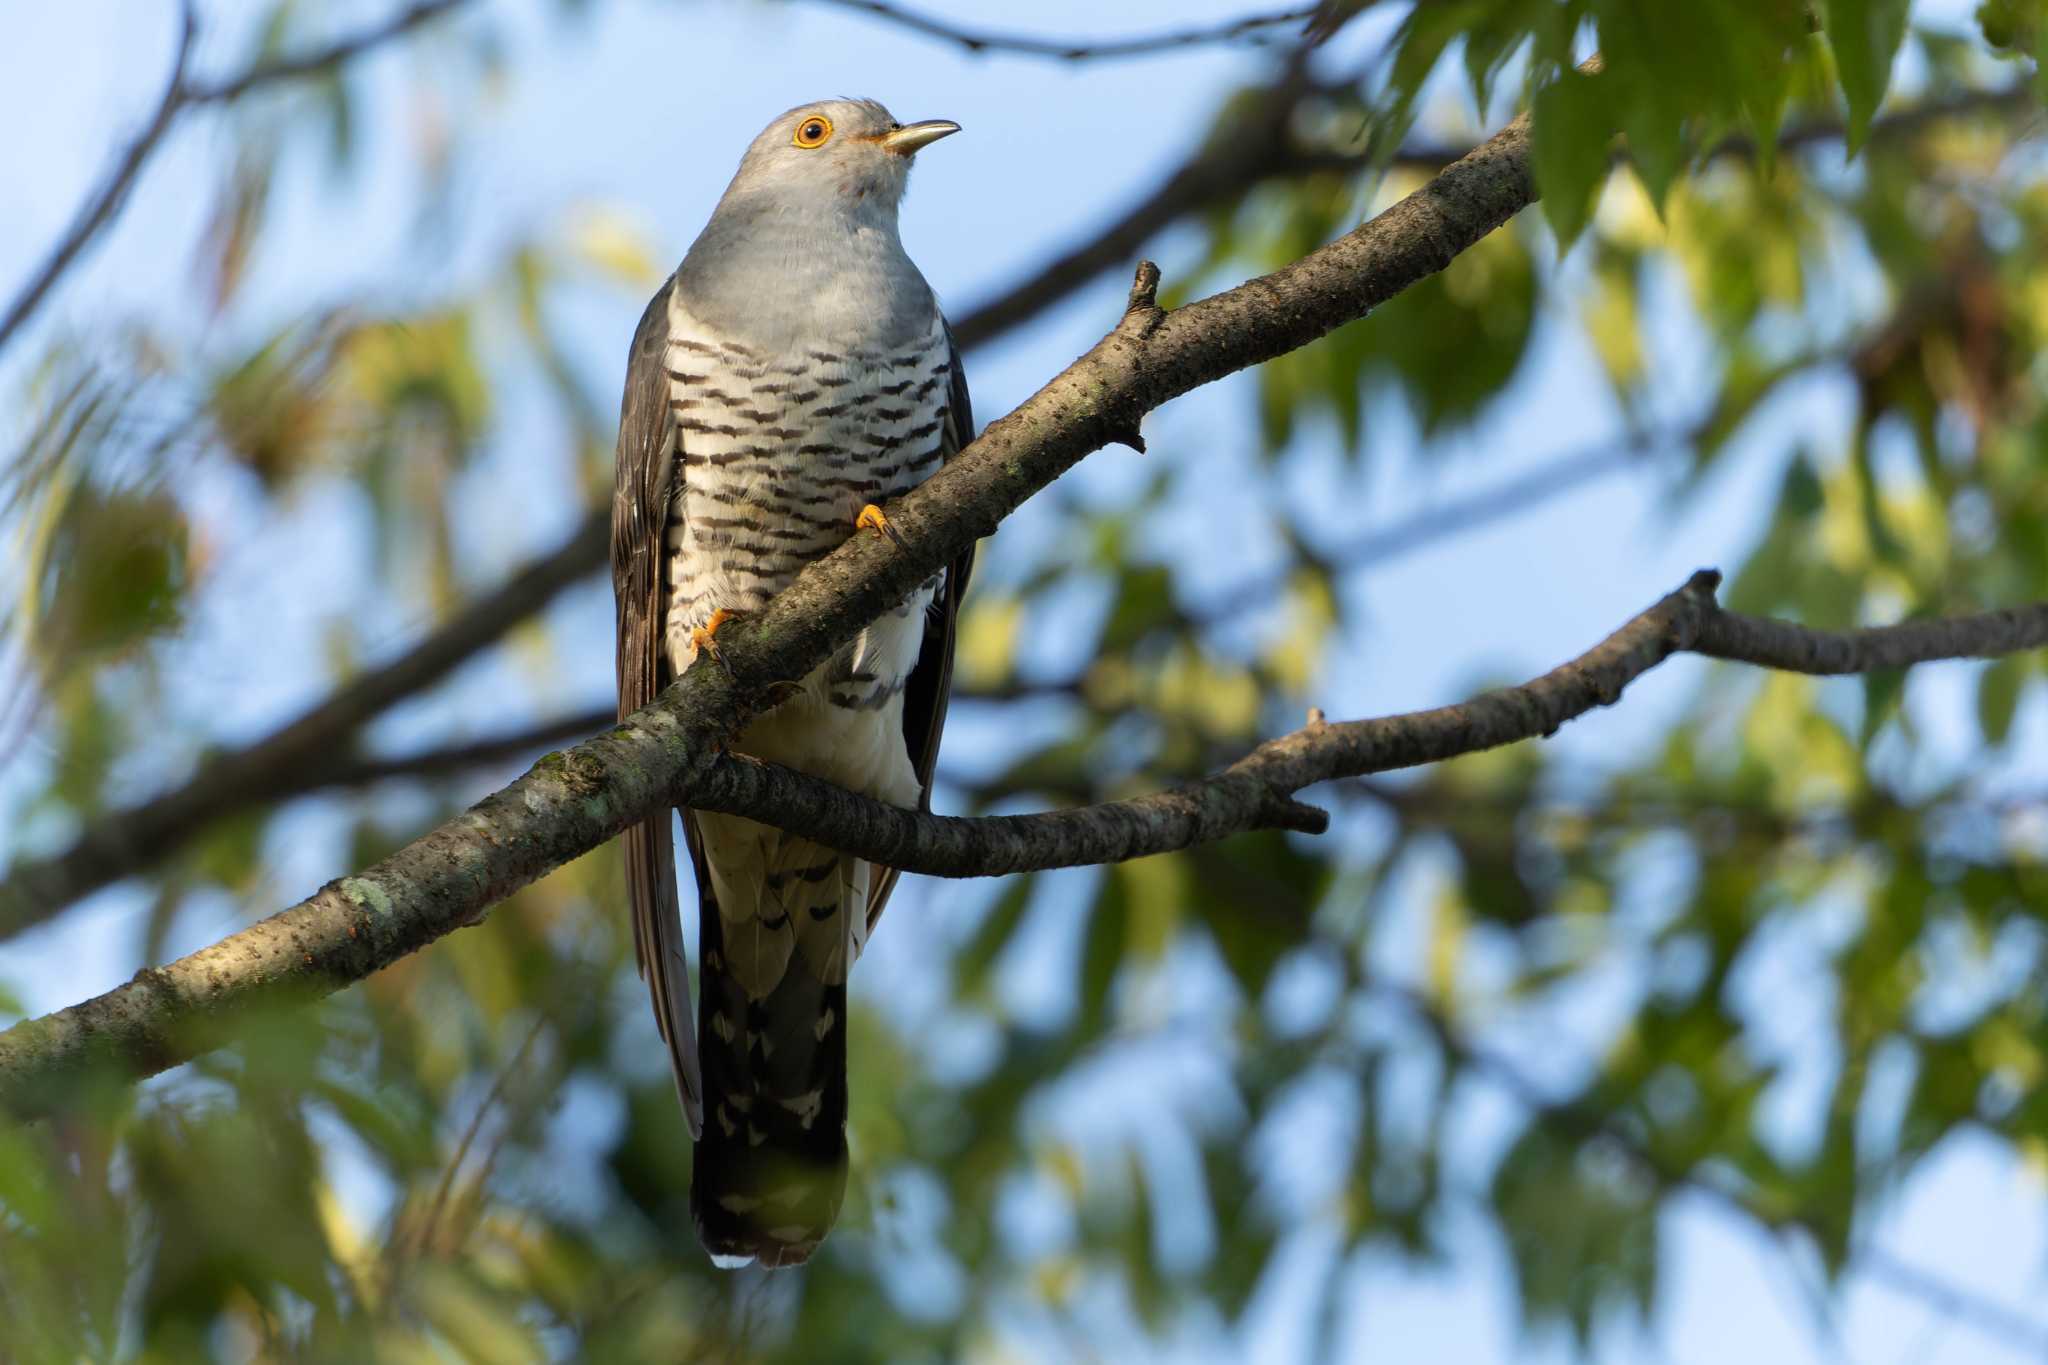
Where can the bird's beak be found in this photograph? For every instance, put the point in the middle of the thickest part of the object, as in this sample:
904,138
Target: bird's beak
912,136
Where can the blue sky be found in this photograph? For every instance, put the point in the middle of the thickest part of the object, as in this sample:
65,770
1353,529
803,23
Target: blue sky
643,110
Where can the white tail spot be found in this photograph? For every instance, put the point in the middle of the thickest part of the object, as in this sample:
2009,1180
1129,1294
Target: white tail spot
805,1107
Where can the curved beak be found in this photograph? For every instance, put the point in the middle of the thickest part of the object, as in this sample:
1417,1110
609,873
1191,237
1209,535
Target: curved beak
911,136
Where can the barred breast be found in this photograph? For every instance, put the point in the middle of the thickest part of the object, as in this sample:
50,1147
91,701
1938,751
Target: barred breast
779,454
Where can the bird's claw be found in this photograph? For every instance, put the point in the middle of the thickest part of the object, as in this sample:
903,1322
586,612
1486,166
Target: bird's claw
872,519
704,638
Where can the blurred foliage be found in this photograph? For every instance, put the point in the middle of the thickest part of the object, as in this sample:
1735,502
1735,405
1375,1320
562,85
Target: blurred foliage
477,1154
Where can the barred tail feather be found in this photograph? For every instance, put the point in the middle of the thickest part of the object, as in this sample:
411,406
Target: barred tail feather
770,1168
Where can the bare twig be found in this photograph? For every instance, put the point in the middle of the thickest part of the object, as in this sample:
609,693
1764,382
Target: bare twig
182,92
99,206
322,59
1251,27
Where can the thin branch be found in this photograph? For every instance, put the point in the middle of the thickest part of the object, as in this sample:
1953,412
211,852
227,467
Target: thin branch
321,60
1252,27
182,93
100,205
1429,526
1258,145
448,760
294,758
1258,791
1263,145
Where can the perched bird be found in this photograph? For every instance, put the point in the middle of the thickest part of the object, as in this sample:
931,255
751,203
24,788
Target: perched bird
794,372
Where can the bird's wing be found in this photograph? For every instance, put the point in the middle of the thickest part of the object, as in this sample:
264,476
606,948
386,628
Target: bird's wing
931,681
642,490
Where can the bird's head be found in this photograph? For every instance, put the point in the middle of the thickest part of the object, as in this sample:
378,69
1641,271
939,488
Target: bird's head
845,153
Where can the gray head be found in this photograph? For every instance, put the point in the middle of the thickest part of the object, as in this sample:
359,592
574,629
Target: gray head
809,221
847,156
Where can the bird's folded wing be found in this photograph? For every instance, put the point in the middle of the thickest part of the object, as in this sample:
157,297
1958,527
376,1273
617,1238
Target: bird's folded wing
647,465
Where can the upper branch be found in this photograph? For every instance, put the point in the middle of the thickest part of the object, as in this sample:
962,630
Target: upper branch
99,206
182,93
1250,26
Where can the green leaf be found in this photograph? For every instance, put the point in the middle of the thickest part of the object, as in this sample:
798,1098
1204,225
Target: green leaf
1865,36
971,968
1998,696
1570,151
1883,689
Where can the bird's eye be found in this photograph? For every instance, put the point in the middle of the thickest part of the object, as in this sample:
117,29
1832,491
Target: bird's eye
813,131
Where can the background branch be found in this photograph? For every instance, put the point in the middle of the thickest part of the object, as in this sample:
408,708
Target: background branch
1251,27
297,757
182,93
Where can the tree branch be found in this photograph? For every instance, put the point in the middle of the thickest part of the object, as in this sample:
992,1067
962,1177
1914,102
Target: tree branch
1263,145
323,59
180,94
124,842
1428,526
978,41
99,206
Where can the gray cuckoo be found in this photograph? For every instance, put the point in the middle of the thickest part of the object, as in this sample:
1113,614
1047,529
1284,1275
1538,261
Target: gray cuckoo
794,372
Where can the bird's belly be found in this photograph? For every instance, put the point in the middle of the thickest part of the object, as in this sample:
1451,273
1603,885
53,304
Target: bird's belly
778,456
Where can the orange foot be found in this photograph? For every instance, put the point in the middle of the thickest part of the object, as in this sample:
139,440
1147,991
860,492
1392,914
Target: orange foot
871,519
703,641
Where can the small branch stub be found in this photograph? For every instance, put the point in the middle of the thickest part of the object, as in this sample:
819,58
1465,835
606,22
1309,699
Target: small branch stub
1144,291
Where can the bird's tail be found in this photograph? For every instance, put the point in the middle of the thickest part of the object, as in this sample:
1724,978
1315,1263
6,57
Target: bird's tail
777,937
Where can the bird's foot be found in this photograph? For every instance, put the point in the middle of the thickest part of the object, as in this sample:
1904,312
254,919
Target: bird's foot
703,638
871,519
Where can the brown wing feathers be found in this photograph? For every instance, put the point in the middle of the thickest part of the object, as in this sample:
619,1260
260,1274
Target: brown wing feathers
640,506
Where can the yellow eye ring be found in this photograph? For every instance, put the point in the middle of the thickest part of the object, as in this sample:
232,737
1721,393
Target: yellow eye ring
814,131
